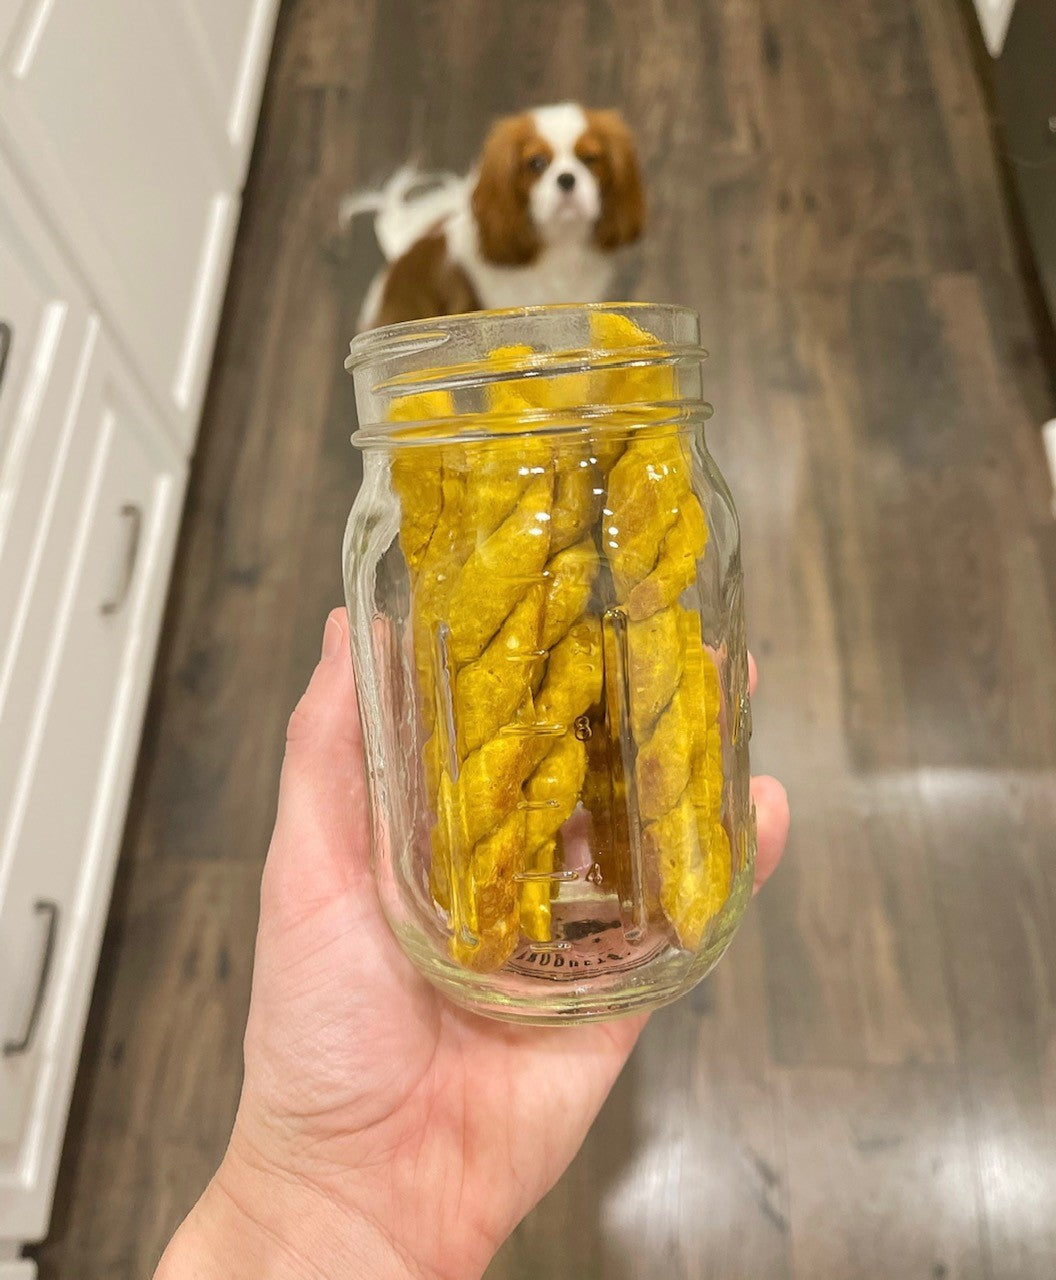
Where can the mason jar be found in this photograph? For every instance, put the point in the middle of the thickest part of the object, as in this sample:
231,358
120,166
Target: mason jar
545,597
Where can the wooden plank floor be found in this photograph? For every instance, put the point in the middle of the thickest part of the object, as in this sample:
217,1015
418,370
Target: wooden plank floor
866,1088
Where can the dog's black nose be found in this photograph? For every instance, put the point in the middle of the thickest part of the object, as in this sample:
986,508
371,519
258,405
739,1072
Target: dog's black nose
566,181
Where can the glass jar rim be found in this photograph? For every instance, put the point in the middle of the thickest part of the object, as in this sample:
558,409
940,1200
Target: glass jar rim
435,331
389,362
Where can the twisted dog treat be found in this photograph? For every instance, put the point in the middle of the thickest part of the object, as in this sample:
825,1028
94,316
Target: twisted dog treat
499,539
654,534
501,574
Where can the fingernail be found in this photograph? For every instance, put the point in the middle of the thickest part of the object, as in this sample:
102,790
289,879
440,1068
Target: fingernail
332,639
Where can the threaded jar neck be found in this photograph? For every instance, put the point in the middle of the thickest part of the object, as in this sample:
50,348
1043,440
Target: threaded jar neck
533,370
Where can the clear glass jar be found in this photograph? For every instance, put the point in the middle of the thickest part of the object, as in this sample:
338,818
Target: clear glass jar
544,587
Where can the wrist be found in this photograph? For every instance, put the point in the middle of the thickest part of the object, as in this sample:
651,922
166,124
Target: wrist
255,1223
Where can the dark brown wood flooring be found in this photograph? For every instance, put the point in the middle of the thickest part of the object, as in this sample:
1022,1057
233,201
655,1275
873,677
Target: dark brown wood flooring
866,1088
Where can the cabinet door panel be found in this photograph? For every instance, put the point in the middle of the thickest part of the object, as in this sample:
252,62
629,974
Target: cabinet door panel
105,115
44,339
234,39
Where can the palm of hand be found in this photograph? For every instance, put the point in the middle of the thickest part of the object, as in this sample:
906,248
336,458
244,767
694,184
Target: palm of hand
427,1119
365,1084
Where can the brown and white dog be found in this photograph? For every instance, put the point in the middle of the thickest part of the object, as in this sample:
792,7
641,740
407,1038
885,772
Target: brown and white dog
556,191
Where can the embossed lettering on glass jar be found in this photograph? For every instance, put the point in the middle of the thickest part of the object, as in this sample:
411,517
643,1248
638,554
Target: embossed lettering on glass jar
544,585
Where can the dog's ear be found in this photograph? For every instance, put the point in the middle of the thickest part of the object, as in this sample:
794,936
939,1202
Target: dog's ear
500,197
622,198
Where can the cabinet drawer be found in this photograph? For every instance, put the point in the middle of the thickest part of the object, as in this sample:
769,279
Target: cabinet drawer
43,339
77,746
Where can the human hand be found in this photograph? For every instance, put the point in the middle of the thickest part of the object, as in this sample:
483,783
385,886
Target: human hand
382,1131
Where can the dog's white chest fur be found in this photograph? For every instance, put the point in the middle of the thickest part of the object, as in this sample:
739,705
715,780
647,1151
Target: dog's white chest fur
566,272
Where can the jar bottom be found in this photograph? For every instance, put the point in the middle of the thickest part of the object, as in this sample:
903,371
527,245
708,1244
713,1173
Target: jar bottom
594,974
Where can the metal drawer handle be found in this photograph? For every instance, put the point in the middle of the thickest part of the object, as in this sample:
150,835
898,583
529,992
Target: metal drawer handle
132,513
6,335
51,910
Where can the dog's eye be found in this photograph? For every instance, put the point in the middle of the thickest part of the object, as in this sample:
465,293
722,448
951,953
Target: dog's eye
536,163
592,159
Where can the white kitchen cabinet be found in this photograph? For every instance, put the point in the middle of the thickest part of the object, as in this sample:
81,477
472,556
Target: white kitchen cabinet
102,104
125,131
77,749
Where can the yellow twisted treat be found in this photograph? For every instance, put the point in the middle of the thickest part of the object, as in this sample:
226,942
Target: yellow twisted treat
492,644
429,481
700,883
654,534
493,793
552,788
500,595
476,537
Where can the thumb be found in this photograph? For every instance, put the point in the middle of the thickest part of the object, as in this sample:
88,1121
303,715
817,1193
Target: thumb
321,843
772,823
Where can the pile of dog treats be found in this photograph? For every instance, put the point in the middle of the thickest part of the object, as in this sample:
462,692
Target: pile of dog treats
558,669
